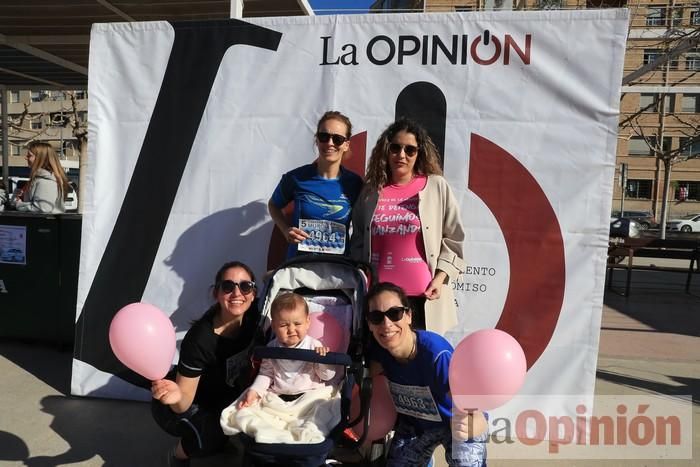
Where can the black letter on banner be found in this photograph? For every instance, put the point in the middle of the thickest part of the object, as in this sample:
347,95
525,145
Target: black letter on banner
121,277
425,103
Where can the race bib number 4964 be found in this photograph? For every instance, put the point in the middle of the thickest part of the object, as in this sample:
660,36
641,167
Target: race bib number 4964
324,236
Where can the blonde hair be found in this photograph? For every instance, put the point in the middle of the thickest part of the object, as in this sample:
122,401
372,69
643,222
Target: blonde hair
335,115
45,157
288,301
427,162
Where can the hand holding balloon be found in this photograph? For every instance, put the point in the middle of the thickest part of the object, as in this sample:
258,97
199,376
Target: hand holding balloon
467,425
143,339
487,369
166,391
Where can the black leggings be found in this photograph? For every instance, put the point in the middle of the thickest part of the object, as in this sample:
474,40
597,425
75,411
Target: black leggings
198,428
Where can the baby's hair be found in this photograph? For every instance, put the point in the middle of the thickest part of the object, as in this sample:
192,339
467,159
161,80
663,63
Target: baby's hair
288,301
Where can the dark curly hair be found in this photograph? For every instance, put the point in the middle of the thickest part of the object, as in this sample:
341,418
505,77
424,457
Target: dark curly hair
427,162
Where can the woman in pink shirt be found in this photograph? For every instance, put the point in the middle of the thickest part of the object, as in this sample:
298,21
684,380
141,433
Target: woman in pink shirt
407,223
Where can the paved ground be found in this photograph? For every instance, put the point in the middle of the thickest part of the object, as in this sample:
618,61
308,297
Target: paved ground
650,344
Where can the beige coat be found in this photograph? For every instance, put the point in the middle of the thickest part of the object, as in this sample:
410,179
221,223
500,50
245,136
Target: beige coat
443,235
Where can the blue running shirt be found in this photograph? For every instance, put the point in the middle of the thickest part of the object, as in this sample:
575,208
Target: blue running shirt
318,198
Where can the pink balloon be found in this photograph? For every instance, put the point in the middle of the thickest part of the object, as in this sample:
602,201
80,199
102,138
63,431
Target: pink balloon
143,339
487,369
382,413
325,328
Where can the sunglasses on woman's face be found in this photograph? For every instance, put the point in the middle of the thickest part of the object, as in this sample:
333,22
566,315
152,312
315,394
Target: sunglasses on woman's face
228,286
409,149
395,313
324,137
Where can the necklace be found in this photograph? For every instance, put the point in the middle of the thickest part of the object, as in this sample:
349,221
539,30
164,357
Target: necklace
412,354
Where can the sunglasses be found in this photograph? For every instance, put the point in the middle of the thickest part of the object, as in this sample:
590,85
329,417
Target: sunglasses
409,149
324,137
228,286
394,313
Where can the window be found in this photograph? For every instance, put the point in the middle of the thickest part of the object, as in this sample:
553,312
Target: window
59,119
649,102
656,16
15,150
81,94
677,16
606,3
14,97
666,145
651,55
637,146
691,190
69,147
695,17
37,96
639,189
692,60
689,148
36,124
462,8
690,103
550,4
55,95
82,116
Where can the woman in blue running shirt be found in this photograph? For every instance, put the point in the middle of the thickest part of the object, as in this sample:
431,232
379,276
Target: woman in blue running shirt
323,193
416,364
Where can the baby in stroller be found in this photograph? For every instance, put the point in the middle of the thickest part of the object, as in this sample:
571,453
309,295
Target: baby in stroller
334,289
290,401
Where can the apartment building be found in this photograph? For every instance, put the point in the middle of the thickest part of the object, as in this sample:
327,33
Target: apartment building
649,130
49,116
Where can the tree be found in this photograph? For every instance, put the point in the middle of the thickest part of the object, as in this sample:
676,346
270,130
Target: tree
20,131
674,43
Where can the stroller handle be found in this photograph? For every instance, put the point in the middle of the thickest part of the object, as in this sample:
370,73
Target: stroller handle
282,353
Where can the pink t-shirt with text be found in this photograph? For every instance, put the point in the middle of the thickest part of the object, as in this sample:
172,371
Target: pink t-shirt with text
397,241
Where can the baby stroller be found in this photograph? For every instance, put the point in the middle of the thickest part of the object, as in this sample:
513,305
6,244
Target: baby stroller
332,286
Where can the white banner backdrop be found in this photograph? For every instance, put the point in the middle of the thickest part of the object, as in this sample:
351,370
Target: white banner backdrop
192,125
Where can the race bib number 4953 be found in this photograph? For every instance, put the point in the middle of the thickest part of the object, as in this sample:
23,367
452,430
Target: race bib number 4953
415,401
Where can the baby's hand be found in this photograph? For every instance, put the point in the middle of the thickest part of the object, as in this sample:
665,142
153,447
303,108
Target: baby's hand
322,351
250,398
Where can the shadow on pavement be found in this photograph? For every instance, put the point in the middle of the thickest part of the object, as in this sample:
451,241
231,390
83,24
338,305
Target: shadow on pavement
658,299
121,433
688,386
13,448
45,362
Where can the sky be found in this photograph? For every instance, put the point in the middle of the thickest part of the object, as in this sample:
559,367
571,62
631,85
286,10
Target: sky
335,7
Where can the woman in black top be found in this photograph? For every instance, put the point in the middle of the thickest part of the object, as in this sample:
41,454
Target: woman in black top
214,367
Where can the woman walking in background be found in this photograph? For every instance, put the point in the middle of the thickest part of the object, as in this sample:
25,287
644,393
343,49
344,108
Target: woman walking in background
48,184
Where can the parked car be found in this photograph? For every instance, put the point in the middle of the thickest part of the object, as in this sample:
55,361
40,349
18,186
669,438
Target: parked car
689,223
13,255
71,201
624,228
645,219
